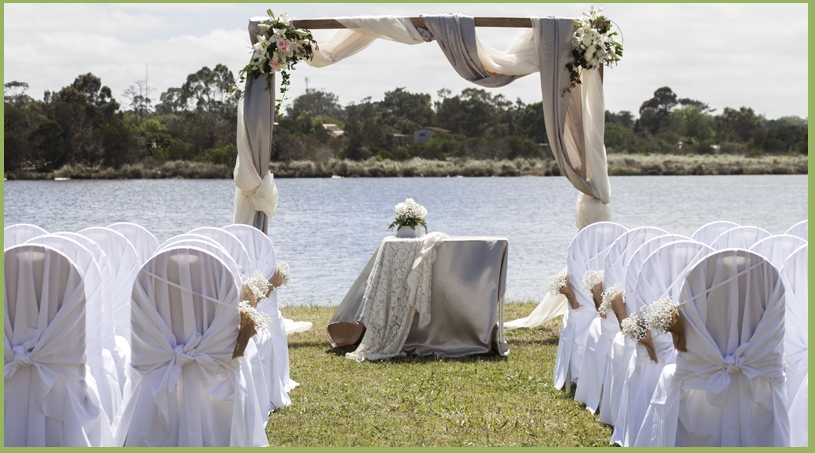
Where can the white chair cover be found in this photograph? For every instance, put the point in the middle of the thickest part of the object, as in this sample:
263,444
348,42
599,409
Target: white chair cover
794,274
184,389
119,351
634,267
51,398
777,248
742,237
275,389
20,233
124,265
800,229
799,425
204,243
140,238
615,267
662,274
100,360
708,233
262,254
593,245
229,242
586,252
728,389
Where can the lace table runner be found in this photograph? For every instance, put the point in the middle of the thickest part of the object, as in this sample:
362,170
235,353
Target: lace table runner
397,288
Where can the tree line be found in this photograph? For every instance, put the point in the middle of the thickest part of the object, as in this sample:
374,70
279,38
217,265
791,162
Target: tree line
84,124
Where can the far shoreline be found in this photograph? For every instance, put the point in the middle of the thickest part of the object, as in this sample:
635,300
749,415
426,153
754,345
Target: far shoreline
618,165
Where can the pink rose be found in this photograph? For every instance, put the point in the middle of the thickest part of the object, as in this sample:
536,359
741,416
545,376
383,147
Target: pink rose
283,45
274,64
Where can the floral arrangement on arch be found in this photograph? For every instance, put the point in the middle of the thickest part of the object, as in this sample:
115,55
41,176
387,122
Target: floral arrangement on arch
409,214
280,46
593,45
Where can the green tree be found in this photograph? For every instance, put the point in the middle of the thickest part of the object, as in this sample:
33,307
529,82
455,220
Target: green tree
317,102
737,125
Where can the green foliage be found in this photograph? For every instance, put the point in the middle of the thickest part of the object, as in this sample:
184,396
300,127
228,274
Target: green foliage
82,125
226,155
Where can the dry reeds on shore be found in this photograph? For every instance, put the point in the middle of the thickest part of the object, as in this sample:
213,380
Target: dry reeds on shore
618,165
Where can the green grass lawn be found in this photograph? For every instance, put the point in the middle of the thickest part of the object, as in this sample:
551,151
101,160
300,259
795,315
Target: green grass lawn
430,401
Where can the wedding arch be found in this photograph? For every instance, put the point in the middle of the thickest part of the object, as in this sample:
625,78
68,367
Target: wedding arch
574,118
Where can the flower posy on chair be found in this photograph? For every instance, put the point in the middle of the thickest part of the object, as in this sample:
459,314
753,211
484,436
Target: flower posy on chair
409,215
280,46
594,44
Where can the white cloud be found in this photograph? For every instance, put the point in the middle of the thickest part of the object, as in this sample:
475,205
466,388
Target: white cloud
723,54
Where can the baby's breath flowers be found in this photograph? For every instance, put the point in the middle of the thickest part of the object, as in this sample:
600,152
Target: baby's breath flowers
557,284
659,315
591,278
260,320
634,326
285,274
608,296
258,285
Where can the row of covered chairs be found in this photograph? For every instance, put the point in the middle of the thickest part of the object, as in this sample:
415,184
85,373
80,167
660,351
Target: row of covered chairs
110,263
619,376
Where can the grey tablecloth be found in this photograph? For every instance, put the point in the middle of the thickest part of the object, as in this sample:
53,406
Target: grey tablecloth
467,302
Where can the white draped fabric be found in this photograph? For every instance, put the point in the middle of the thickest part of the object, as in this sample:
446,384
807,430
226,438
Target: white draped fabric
593,365
729,388
800,229
274,388
20,233
632,271
231,244
708,233
794,274
119,350
742,237
264,260
140,238
586,252
549,308
100,361
255,190
398,289
615,267
574,122
51,398
777,248
124,265
662,274
184,389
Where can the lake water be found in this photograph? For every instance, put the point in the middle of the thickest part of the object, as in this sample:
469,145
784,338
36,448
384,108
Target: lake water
327,229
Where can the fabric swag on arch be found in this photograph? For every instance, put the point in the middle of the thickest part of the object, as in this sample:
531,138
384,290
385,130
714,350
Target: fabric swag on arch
574,121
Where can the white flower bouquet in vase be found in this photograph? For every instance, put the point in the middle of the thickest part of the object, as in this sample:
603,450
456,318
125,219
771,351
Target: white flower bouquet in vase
409,217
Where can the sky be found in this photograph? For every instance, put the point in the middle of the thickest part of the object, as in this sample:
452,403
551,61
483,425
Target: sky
726,55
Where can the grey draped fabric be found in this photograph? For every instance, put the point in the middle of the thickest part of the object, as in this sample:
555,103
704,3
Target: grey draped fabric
258,112
566,138
467,296
455,35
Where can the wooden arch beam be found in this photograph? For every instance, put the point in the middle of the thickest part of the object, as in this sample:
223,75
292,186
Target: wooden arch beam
504,22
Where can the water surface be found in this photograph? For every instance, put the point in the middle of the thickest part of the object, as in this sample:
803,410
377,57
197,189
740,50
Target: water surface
327,229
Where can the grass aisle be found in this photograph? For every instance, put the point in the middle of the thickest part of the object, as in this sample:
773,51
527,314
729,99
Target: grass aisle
428,401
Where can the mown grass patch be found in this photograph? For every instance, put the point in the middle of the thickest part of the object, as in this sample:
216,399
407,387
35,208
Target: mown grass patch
430,401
